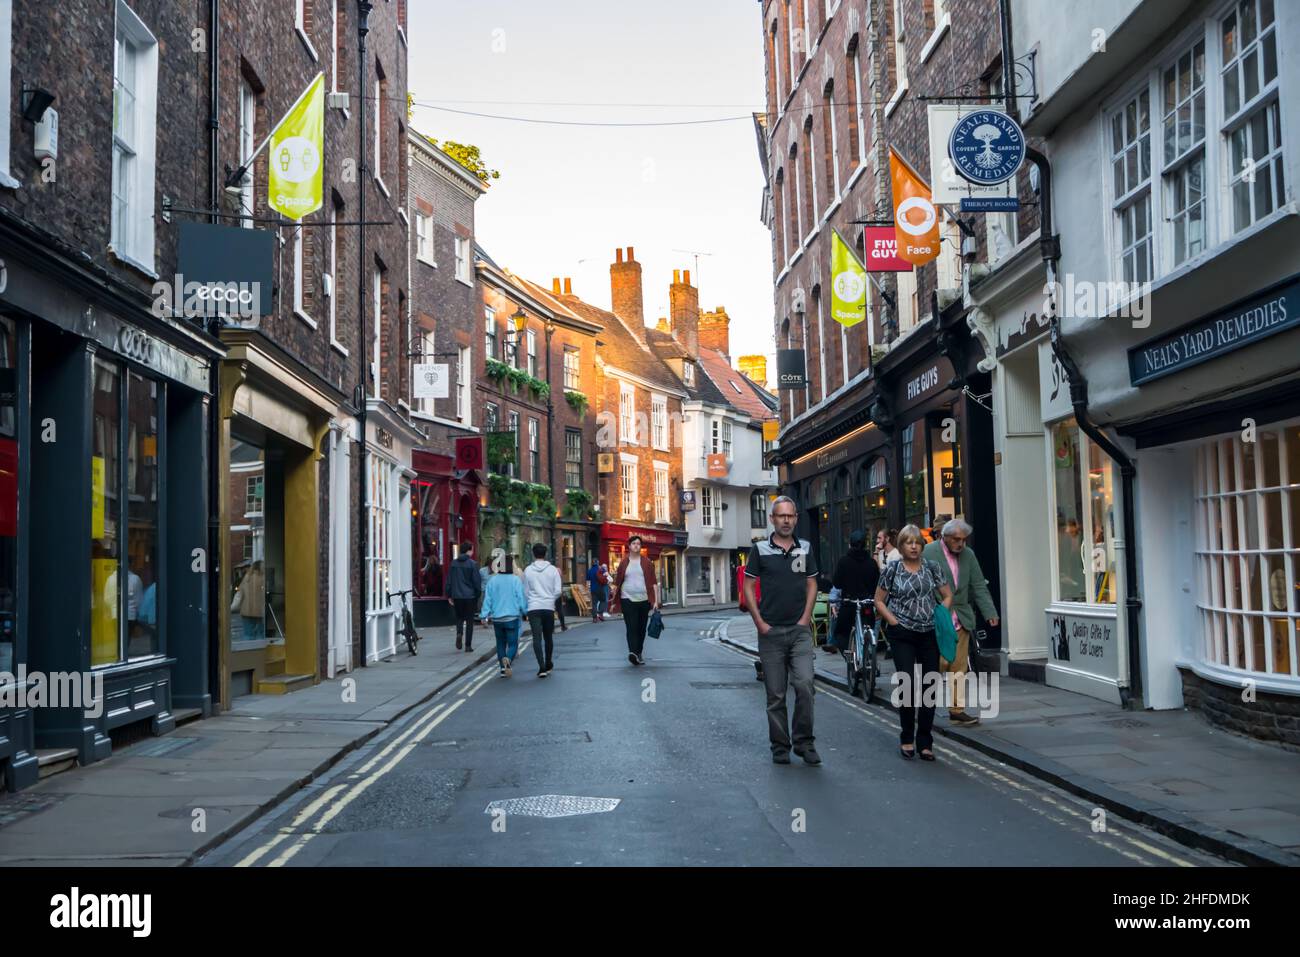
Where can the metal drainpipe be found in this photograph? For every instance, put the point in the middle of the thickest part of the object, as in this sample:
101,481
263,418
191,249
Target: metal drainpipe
214,372
1050,245
363,539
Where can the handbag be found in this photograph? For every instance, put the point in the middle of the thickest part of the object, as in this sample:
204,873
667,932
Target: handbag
944,633
656,626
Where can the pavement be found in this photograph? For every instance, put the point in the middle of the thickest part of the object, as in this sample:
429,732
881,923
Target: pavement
165,800
604,763
1168,770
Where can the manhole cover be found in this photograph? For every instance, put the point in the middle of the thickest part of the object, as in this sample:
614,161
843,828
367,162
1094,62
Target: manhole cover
724,685
552,805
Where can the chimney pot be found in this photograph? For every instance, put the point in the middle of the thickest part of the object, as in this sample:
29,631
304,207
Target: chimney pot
686,277
568,286
677,276
555,286
618,255
630,256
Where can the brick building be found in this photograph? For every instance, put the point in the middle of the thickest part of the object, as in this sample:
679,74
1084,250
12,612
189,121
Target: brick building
894,426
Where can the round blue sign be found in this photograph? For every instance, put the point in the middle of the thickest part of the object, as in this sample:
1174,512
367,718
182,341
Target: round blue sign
987,147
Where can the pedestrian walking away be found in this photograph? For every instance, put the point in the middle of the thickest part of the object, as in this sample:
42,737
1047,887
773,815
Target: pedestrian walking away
598,582
784,571
636,594
964,576
905,598
856,576
543,588
504,605
465,586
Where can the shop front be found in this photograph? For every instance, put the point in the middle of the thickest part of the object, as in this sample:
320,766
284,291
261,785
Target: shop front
277,418
665,547
390,444
103,513
445,504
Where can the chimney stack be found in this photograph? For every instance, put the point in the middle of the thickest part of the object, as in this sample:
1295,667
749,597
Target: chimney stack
555,286
755,367
568,286
625,288
684,312
714,332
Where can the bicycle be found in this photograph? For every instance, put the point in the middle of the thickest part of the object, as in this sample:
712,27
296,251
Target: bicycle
407,630
860,657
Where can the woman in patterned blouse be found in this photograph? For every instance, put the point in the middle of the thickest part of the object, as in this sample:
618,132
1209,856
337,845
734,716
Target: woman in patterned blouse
906,598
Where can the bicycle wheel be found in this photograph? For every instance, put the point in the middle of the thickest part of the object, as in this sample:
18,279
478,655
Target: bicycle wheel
871,669
408,629
851,666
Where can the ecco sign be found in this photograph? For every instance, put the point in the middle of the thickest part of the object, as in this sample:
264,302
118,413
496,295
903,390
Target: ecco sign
987,147
136,345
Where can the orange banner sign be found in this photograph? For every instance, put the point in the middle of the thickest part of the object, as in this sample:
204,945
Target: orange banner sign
916,219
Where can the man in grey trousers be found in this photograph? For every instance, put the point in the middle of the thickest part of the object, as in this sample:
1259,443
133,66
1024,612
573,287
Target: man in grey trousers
787,571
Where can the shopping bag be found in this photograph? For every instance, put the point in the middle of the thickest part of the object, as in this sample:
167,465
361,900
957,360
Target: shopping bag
944,633
656,625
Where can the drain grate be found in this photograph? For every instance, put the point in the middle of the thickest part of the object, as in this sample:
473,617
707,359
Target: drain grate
724,685
168,747
552,805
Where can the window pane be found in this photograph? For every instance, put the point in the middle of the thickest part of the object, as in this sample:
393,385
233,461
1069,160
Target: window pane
1069,512
106,499
1240,205
1270,57
1229,37
142,531
1184,128
1250,76
1265,13
9,513
1248,26
1272,532
1231,91
1117,132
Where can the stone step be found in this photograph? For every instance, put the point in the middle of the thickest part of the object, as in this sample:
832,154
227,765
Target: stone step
54,760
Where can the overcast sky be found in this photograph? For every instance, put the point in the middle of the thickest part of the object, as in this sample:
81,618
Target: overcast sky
568,196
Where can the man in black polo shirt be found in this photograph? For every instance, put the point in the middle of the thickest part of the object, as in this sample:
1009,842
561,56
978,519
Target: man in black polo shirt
787,572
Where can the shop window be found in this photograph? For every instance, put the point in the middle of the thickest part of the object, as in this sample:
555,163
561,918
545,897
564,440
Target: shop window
699,575
8,492
844,511
1248,550
945,467
142,517
1084,504
873,479
666,572
430,582
379,560
106,503
915,480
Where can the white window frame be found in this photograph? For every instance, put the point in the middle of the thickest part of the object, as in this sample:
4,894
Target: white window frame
811,141
796,162
1172,169
900,50
1086,528
247,143
1223,567
378,121
627,414
531,344
463,260
726,438
572,369
298,276
464,402
628,491
334,284
1265,167
378,291
380,542
659,421
688,372
857,96
424,238
710,506
835,154
516,468
300,24
1125,205
534,449
758,509
6,91
661,493
490,336
334,54
133,240
715,436
424,405
570,459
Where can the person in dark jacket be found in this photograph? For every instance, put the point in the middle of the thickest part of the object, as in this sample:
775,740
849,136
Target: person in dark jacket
465,586
636,594
856,576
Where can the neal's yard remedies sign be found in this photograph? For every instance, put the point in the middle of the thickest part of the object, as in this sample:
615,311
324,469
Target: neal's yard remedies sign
1219,333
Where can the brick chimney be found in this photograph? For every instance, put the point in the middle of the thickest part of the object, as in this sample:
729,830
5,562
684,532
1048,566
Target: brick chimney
713,331
684,311
555,286
625,288
568,286
755,367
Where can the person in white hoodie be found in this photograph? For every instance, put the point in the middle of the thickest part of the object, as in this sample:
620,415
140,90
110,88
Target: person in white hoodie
542,586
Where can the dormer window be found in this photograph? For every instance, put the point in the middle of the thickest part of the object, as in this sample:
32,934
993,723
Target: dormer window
688,373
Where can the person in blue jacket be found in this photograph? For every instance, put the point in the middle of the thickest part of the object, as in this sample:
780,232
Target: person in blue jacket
505,606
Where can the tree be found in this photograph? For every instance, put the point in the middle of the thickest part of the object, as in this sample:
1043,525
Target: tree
467,156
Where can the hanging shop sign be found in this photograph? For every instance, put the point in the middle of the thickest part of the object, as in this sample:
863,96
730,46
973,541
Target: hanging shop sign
924,383
990,204
771,430
881,243
848,284
986,147
687,499
717,463
431,380
470,453
225,271
916,219
1245,322
791,369
949,184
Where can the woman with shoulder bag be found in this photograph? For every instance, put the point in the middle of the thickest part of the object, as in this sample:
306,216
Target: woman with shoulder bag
906,599
636,594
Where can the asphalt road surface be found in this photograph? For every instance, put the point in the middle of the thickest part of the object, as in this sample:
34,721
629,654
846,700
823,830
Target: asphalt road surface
603,763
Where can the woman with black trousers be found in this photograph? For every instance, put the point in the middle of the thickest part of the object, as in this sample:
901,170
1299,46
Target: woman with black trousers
906,599
636,594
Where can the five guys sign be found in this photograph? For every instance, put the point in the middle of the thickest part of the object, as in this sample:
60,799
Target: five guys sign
881,244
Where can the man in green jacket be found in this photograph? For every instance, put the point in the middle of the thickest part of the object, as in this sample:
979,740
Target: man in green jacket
969,589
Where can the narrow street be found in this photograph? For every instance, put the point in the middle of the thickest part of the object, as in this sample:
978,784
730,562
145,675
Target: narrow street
681,746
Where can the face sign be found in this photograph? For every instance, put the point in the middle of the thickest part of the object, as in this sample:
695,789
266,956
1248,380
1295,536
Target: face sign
784,518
